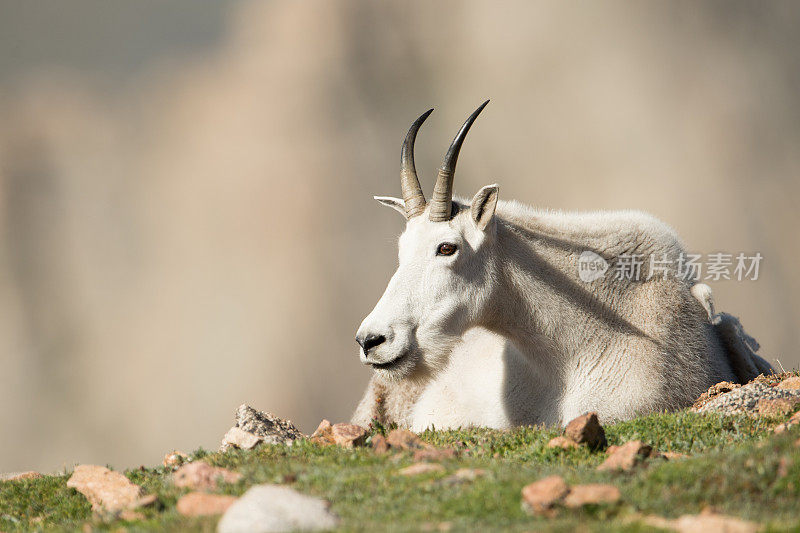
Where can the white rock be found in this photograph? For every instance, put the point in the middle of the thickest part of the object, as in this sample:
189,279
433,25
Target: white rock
239,438
266,508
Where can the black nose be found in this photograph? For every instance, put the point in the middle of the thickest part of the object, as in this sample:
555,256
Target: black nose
370,341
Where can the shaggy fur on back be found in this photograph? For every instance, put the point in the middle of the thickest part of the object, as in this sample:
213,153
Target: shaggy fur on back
553,346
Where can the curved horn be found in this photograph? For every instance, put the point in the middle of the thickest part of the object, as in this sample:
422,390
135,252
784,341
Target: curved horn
412,192
442,199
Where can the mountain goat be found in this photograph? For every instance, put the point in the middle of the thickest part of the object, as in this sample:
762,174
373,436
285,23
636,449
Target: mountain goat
487,322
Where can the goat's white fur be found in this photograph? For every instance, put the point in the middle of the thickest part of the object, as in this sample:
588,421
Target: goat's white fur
511,336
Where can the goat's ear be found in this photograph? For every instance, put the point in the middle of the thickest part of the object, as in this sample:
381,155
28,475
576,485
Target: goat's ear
395,203
483,205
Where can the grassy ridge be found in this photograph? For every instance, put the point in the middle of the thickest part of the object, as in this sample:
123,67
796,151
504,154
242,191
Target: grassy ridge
735,466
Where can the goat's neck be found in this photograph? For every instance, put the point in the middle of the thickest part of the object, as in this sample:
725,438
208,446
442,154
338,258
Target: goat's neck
537,302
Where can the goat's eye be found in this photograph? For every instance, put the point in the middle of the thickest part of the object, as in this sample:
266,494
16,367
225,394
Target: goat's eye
446,249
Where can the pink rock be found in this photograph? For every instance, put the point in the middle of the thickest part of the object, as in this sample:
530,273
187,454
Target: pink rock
463,475
434,454
323,427
323,434
586,429
403,439
175,458
541,496
379,444
203,504
793,421
705,523
348,435
107,490
130,515
421,468
672,456
790,383
627,456
776,406
593,493
201,475
565,443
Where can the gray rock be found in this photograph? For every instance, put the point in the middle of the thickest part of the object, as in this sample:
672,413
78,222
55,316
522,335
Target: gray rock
269,427
744,400
266,508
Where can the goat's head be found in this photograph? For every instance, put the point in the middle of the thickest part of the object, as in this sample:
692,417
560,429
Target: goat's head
445,269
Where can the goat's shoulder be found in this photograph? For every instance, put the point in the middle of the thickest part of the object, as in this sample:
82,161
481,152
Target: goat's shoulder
616,232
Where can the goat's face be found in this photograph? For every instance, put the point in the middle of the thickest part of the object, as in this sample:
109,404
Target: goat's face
439,290
445,268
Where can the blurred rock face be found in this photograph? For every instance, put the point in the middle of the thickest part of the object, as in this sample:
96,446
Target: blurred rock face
203,235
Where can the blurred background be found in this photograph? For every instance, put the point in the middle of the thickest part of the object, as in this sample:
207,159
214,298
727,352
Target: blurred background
186,213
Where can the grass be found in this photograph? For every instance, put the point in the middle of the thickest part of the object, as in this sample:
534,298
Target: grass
734,467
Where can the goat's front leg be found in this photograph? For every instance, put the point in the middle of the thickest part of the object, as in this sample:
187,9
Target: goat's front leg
388,402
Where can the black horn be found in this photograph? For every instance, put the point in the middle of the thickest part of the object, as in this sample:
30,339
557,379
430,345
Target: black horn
442,199
409,182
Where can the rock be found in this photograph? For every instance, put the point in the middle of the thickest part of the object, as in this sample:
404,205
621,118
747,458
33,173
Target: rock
540,497
266,508
462,475
344,435
783,467
202,504
107,490
403,439
626,457
421,468
704,523
147,500
790,383
379,444
713,391
776,406
236,437
19,476
323,427
793,421
201,475
745,399
592,493
433,526
323,435
348,435
175,458
673,456
270,428
586,429
130,515
562,442
722,387
434,454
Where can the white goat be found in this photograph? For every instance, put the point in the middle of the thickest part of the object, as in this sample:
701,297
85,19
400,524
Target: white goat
486,321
